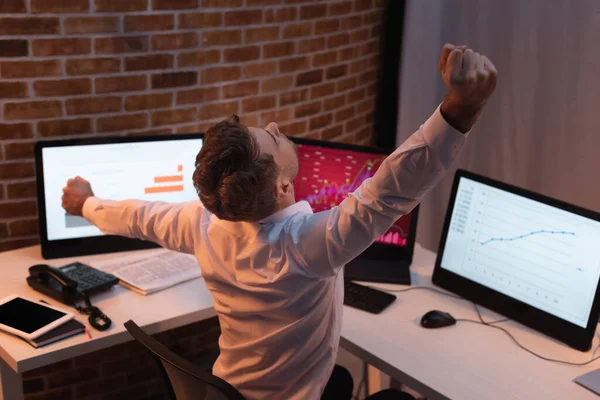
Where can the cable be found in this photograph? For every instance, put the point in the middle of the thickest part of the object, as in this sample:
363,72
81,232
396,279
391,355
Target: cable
492,325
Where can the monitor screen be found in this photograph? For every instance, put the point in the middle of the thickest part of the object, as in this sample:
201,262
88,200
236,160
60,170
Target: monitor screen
326,176
145,170
541,255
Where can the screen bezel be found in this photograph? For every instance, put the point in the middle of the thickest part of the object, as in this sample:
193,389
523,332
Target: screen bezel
377,251
94,244
555,327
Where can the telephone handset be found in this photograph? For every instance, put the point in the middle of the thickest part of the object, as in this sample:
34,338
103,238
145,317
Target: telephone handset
53,282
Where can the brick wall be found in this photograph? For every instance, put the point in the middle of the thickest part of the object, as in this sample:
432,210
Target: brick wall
126,371
77,68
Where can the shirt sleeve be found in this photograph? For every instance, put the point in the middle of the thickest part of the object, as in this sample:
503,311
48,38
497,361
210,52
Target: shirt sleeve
324,242
173,226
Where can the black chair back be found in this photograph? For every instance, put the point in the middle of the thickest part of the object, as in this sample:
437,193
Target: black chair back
185,381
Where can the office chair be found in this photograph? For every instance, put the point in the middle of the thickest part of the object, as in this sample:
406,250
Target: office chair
184,380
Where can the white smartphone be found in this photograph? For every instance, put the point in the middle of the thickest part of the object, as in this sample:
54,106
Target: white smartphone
28,318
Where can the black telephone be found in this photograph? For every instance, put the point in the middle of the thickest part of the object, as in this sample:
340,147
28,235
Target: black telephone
72,283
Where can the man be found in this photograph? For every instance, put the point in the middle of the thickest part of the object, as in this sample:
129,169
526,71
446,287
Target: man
273,267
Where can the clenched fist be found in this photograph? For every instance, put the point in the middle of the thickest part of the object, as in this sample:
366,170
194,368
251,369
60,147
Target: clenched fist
471,80
75,194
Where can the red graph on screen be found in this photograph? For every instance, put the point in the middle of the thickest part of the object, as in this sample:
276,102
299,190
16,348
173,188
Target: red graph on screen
326,177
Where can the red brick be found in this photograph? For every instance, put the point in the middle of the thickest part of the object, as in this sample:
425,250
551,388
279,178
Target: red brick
348,53
361,5
121,44
156,22
259,103
311,45
175,41
219,110
198,58
222,3
340,8
369,48
75,25
32,109
265,68
221,38
126,83
277,84
14,48
294,97
241,54
93,105
174,79
349,139
347,83
356,95
12,6
294,129
142,375
313,11
336,71
298,30
17,244
194,128
62,87
21,190
122,122
331,132
327,26
376,31
97,387
18,150
352,22
364,133
338,40
29,25
282,49
367,77
373,17
64,127
305,110
27,69
62,6
364,106
244,17
279,115
294,64
281,15
15,131
26,383
334,102
323,90
15,170
91,66
198,96
200,20
309,78
322,59
120,5
148,101
259,3
262,34
358,66
172,117
250,119
13,90
220,74
360,35
320,122
174,4
61,47
344,114
354,124
154,61
240,89
72,376
151,132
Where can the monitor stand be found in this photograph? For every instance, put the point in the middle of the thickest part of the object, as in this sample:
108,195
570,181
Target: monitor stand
383,271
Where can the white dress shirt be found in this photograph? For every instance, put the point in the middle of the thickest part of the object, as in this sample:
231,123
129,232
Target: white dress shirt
277,285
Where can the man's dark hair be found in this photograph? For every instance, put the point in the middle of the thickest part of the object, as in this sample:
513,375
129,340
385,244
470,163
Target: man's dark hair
233,179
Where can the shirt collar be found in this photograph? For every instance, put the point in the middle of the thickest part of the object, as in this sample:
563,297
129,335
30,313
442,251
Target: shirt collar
299,207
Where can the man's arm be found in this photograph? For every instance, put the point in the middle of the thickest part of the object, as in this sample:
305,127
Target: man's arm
326,241
173,226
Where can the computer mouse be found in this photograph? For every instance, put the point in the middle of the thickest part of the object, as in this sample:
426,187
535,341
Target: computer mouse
437,319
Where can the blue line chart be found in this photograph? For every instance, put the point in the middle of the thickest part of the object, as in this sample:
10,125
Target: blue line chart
510,239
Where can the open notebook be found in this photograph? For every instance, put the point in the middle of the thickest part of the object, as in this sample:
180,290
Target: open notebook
154,271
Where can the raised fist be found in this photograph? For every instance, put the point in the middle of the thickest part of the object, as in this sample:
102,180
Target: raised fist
75,194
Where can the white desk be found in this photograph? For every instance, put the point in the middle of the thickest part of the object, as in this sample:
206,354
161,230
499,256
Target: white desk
182,305
462,362
465,361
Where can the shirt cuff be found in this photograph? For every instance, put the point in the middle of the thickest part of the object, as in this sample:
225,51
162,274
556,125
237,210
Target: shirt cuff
442,138
89,206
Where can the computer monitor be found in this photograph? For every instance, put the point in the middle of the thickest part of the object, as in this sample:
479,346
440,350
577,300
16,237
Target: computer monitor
146,168
527,256
327,173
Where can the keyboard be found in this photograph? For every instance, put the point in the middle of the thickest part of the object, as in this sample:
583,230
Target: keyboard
366,298
89,280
